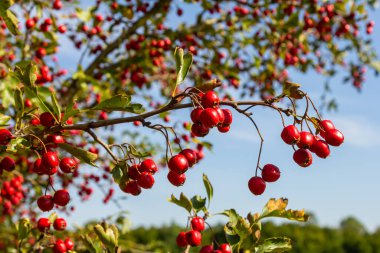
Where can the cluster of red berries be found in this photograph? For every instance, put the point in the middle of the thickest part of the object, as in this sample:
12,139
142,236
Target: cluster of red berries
307,142
269,173
194,238
179,164
11,194
210,115
60,198
61,246
140,176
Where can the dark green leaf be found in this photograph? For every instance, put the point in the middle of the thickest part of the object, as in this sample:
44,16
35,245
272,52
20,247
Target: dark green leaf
276,244
116,103
292,90
209,188
198,202
79,153
183,201
117,174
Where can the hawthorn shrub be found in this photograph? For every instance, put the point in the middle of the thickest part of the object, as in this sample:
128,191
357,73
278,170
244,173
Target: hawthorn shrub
54,122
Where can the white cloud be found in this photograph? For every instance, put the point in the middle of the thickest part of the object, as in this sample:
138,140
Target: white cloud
359,132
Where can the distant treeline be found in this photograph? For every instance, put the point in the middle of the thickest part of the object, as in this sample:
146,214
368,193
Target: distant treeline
350,237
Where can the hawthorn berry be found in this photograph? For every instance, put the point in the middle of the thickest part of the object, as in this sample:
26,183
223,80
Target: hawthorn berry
325,125
45,203
43,224
60,224
303,157
7,164
190,155
224,128
30,23
320,148
198,224
256,185
57,4
176,179
306,140
69,244
225,248
220,115
148,165
47,119
207,249
178,164
199,130
181,240
50,160
61,197
209,117
59,247
55,138
227,117
145,180
68,165
194,238
270,173
134,171
290,135
5,137
40,52
132,187
210,99
334,137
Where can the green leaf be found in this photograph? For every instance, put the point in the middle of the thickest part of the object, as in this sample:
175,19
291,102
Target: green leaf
53,217
5,4
91,245
277,208
23,228
19,104
375,65
25,72
56,107
82,154
17,145
183,201
276,244
84,15
198,202
70,111
106,236
119,102
209,188
292,90
4,120
134,108
183,64
117,173
11,21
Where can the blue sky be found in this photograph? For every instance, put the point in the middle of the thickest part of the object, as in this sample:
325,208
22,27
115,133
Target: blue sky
344,184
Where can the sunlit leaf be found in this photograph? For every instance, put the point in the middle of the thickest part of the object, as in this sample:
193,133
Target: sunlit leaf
79,153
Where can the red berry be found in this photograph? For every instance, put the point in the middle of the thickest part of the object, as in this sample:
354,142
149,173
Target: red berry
224,128
290,135
303,157
57,5
178,164
45,203
60,224
181,240
270,173
40,52
59,247
55,138
145,180
227,117
47,119
61,197
30,23
209,99
148,165
195,115
220,114
190,155
199,130
7,164
334,137
50,160
325,125
207,249
62,29
194,238
209,117
134,171
306,140
320,148
68,165
256,185
43,224
225,248
132,187
176,179
69,244
5,137
198,224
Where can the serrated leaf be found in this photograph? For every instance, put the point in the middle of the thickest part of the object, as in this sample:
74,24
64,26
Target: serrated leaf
116,103
277,208
198,202
79,153
291,90
183,64
276,244
11,21
23,228
183,201
209,188
117,174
